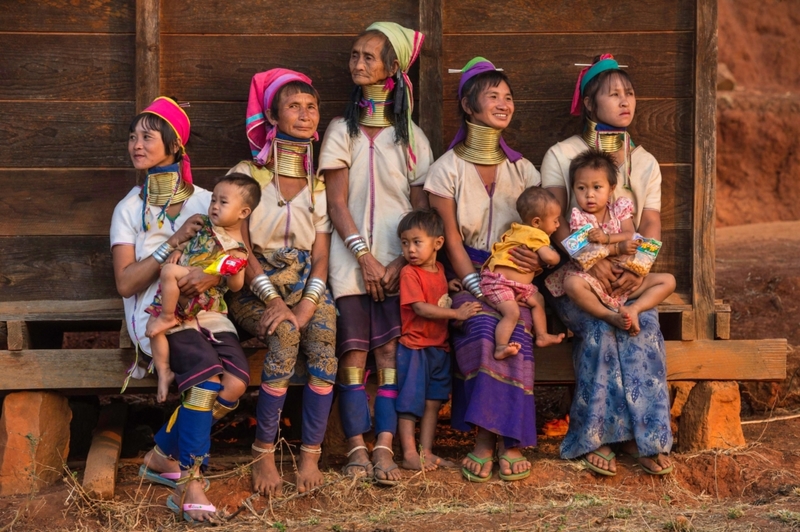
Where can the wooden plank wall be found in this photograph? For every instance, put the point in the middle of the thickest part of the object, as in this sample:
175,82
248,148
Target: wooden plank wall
70,88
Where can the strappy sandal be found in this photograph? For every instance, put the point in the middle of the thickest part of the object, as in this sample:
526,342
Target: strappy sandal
513,476
375,467
363,465
472,477
599,470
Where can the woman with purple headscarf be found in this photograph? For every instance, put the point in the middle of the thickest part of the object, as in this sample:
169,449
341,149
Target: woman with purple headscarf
474,187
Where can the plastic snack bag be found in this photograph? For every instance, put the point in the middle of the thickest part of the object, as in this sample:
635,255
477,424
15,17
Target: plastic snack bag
585,253
641,262
226,265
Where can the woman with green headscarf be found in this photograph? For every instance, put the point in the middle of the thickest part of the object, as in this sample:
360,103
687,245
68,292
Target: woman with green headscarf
374,161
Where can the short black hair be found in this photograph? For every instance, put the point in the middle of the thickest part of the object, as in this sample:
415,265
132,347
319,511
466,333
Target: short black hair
475,86
249,187
152,122
426,219
596,160
533,202
291,88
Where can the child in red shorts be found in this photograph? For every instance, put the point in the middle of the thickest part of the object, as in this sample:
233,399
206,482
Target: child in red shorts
423,360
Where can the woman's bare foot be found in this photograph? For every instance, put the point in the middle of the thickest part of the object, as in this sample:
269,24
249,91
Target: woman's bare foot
195,495
308,474
543,340
383,465
161,324
165,378
266,479
506,350
484,448
358,463
413,461
599,461
507,468
438,461
633,315
160,464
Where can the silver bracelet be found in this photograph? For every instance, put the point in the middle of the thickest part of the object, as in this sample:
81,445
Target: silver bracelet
357,245
351,238
472,284
162,252
263,288
314,290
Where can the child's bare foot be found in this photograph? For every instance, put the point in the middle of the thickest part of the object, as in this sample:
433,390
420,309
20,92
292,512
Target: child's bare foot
633,317
161,324
620,320
413,461
308,474
508,350
266,479
438,461
165,378
543,340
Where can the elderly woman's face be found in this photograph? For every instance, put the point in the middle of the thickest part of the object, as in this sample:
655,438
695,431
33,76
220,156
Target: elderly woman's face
366,65
298,115
496,107
146,148
615,101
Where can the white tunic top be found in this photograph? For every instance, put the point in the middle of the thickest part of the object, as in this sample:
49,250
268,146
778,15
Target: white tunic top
126,229
379,195
483,216
645,191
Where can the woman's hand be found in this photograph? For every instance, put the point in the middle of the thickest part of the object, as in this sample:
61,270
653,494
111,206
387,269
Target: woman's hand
372,272
626,283
189,228
604,272
275,313
197,282
391,279
304,311
527,260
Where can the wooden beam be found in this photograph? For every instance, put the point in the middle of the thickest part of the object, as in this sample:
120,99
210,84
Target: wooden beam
430,74
62,310
723,322
18,336
99,478
148,52
687,325
95,369
705,168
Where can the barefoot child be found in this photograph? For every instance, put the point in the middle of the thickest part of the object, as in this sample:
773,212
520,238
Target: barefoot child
233,199
423,361
503,282
593,176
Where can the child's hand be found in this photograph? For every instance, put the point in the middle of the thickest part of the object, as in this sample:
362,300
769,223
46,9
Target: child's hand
467,310
598,236
174,257
454,285
628,247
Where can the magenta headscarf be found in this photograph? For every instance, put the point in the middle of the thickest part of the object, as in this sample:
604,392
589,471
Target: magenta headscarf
475,67
263,88
606,62
176,117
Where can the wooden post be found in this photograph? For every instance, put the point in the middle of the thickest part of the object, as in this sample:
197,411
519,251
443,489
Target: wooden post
99,478
705,169
430,74
148,52
18,336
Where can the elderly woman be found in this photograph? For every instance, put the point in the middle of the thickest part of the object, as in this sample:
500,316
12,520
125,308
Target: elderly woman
210,367
474,187
621,388
374,161
288,304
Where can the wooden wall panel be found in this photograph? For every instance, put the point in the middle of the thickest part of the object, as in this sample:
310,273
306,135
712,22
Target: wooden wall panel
97,16
60,267
64,134
676,197
60,202
67,67
259,17
542,67
524,16
663,127
675,257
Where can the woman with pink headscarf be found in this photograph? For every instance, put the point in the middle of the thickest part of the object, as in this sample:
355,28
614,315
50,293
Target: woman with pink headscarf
288,305
210,368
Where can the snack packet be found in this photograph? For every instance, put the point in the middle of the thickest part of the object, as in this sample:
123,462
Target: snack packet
641,262
226,265
585,253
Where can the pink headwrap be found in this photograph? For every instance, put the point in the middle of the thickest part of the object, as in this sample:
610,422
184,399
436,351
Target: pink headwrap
171,112
606,62
263,88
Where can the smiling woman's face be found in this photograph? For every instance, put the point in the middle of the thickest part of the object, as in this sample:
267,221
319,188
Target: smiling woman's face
496,107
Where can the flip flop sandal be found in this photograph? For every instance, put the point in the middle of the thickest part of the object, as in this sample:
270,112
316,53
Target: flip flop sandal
375,467
165,479
189,507
363,465
472,477
514,476
599,470
664,471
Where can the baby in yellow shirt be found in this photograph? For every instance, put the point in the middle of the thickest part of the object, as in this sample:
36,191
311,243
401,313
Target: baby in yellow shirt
505,284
